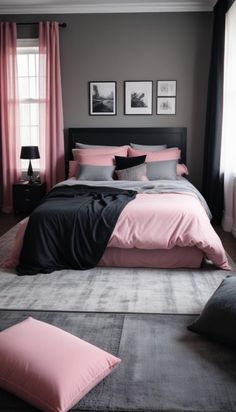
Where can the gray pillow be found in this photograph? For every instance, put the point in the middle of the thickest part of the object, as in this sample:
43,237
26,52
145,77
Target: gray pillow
147,148
91,172
138,172
92,146
165,169
218,318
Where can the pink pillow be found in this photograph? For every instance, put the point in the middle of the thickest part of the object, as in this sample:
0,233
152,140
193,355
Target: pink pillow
182,169
119,151
172,153
73,168
48,367
95,160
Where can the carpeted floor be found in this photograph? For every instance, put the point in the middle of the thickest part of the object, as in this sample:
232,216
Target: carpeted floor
164,366
109,289
112,290
141,316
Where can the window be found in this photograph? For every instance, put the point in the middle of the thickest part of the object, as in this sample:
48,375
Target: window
28,87
228,161
228,148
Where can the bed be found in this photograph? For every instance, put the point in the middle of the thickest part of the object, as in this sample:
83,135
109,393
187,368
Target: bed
166,225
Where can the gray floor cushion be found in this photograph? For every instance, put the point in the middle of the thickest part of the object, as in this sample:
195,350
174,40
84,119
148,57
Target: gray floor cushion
218,318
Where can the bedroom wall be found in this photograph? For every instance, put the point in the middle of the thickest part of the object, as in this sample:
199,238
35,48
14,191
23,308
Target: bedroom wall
152,46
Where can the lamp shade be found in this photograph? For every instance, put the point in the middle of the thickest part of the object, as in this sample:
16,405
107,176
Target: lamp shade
29,152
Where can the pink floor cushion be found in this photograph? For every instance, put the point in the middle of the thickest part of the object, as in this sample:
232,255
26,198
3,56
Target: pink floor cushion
48,367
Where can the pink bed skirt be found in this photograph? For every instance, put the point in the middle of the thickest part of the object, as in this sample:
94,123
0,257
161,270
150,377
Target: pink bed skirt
178,257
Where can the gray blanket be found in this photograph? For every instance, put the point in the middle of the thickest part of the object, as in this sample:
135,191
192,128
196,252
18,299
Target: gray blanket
180,185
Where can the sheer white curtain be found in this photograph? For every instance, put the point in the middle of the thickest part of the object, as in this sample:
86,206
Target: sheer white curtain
228,153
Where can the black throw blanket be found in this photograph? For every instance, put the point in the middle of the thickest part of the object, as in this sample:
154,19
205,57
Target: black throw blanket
71,228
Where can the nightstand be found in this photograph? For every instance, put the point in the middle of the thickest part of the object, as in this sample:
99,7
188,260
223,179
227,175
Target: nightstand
27,196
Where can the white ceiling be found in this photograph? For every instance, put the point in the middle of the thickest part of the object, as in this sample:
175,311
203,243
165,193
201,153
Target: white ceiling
103,6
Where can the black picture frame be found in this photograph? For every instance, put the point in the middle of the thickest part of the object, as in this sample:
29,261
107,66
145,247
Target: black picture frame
166,88
166,97
138,97
102,96
166,105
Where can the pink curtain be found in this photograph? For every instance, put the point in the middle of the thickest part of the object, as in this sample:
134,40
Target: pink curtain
51,113
9,113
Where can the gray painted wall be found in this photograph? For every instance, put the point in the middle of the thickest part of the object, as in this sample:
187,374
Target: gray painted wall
169,46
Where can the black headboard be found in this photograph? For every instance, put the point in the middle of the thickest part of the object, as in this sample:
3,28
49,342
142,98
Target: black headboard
172,136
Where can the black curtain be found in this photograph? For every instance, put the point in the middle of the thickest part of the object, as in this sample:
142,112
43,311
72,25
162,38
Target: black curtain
213,189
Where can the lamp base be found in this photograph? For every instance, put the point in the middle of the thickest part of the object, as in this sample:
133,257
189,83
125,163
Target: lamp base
30,181
30,173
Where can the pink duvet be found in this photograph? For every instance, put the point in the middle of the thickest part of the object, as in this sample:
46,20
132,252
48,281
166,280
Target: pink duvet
163,221
158,221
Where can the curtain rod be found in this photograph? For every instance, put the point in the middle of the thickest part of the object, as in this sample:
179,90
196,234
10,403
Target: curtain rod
63,25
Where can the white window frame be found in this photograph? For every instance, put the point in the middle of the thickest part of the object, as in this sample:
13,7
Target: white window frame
28,46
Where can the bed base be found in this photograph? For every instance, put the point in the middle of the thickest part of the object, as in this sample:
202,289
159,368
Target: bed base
177,257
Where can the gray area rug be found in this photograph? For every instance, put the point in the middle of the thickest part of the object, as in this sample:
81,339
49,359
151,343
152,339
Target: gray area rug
110,289
164,368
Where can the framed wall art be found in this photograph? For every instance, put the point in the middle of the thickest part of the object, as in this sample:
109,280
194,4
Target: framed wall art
102,98
166,105
138,97
166,96
166,88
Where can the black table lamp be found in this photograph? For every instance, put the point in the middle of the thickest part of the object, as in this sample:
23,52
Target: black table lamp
30,152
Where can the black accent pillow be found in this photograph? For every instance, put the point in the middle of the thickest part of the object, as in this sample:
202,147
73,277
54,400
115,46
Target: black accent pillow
218,318
126,162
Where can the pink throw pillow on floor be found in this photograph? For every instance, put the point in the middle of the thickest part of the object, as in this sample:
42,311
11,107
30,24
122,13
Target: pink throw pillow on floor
48,367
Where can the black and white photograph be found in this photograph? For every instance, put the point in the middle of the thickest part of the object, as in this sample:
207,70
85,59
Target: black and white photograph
166,88
102,98
138,97
166,105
